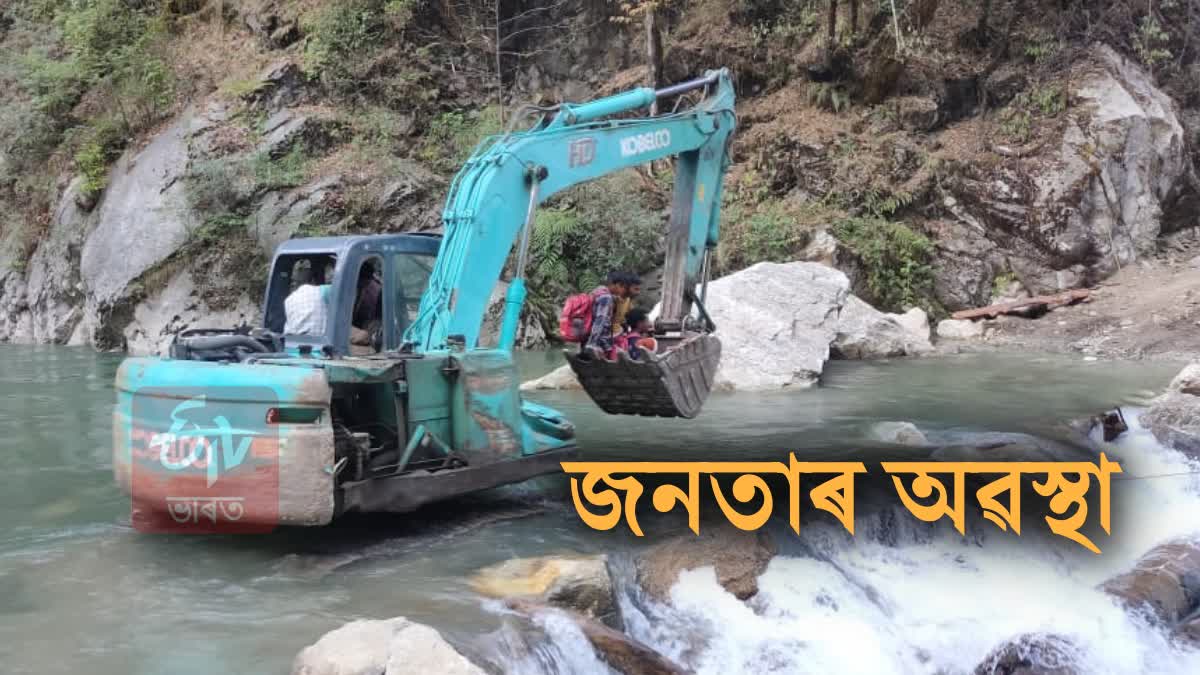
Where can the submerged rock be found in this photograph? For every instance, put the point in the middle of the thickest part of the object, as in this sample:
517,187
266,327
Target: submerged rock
902,433
737,556
621,652
1032,654
580,583
959,329
1165,582
864,332
390,647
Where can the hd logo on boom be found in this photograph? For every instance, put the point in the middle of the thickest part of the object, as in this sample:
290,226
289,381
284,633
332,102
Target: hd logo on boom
651,140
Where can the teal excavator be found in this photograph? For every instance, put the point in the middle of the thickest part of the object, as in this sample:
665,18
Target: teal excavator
259,426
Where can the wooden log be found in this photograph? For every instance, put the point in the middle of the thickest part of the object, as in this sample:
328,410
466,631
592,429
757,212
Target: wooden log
1047,302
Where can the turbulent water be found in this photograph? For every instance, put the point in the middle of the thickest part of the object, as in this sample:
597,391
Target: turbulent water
81,592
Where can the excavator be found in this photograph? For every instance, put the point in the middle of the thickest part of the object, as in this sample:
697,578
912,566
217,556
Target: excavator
251,427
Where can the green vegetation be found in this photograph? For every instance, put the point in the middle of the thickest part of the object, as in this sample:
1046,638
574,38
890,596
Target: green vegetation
582,235
1150,41
896,260
453,135
1017,119
344,43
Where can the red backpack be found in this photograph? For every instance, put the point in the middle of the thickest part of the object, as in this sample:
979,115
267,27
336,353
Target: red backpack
577,307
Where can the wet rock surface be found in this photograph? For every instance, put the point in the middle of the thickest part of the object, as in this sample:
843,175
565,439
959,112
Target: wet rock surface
738,557
1174,417
1034,654
578,583
1164,583
621,652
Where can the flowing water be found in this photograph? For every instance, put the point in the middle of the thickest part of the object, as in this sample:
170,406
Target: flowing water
81,592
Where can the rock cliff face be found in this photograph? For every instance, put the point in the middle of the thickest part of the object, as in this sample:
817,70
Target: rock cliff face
1092,196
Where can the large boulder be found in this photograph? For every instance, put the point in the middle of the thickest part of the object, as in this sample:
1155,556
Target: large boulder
776,322
738,558
579,583
864,332
1165,582
391,647
1174,417
1086,200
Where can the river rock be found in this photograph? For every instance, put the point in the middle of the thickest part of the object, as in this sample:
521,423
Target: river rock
866,333
1187,381
737,556
559,378
389,647
1174,417
621,652
916,322
579,583
1165,582
901,433
776,322
1033,654
959,329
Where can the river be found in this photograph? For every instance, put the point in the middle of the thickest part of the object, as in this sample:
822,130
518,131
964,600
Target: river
82,592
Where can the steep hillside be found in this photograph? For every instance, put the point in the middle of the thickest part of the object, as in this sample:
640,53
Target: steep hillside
153,153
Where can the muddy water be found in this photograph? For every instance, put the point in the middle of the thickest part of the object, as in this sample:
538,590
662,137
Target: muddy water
81,592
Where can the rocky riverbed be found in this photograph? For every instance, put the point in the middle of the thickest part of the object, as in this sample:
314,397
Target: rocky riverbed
647,613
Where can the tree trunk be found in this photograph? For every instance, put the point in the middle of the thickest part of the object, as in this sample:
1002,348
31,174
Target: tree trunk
985,16
854,17
831,33
654,53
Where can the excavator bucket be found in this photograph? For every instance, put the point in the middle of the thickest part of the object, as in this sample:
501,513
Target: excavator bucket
672,383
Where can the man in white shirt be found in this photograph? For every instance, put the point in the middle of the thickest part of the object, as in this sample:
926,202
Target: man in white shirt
307,310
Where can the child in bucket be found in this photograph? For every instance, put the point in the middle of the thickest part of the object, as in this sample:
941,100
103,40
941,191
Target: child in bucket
636,337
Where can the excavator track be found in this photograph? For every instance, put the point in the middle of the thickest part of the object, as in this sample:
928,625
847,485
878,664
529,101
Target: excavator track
671,384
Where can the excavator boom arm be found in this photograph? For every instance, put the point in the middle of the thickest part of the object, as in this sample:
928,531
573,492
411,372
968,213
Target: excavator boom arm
493,197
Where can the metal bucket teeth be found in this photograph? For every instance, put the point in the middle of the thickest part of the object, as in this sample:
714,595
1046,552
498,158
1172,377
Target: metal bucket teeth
672,384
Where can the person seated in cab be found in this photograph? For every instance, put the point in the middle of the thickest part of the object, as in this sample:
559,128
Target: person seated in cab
367,316
636,337
306,308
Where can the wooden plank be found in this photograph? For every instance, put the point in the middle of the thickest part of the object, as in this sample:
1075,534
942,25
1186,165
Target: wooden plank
1024,304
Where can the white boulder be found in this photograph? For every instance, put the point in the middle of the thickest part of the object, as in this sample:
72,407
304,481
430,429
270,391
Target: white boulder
867,333
391,647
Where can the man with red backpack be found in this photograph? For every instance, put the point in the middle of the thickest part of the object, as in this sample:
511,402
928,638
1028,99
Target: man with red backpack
587,318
